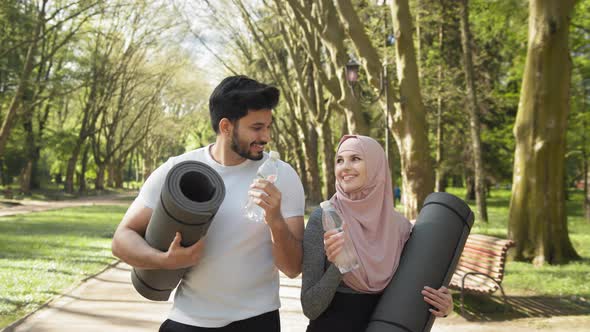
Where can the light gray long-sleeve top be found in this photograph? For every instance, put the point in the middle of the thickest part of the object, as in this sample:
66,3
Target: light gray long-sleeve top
321,278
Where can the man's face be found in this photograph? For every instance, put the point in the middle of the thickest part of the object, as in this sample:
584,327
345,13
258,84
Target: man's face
251,133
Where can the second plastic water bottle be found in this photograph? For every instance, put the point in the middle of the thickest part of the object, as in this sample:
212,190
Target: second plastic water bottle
269,171
346,260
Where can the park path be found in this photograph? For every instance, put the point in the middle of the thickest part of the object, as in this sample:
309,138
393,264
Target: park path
28,206
108,302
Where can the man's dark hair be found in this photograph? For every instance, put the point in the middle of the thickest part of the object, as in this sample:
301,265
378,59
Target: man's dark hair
235,95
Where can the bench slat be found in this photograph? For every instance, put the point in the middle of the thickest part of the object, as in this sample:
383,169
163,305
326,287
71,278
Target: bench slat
470,254
487,242
496,247
473,281
475,277
473,268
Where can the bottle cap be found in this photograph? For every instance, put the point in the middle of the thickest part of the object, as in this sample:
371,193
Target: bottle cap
274,155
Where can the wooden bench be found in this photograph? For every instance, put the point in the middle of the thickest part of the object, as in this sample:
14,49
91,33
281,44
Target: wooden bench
480,269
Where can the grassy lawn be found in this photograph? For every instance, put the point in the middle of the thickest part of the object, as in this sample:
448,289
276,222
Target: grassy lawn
42,254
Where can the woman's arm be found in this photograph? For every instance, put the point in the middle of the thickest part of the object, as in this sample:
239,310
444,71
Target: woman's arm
318,286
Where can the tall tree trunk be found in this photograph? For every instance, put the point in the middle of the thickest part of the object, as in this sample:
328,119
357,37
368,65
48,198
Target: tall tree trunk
71,169
328,152
585,160
586,190
26,174
537,217
419,36
100,175
472,106
440,171
25,178
82,179
409,126
111,175
23,82
315,189
469,186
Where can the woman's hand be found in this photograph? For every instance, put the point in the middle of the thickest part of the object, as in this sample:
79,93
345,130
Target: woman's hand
441,299
333,243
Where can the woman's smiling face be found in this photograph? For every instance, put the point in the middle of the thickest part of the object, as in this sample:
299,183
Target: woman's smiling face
351,171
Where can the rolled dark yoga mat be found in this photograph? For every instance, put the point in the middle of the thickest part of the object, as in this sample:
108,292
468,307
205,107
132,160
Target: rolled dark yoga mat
190,198
429,259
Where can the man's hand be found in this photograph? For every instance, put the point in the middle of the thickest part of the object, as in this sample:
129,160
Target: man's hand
178,257
266,195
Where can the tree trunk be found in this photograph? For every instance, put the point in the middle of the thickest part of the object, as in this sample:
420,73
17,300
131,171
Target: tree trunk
315,189
26,174
469,187
585,160
409,120
586,191
328,151
537,217
23,82
25,178
472,106
71,169
82,179
111,175
440,171
100,174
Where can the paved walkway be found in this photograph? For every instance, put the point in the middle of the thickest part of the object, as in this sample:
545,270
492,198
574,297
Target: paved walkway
28,206
108,302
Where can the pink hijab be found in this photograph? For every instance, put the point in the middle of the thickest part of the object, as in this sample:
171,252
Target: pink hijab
377,231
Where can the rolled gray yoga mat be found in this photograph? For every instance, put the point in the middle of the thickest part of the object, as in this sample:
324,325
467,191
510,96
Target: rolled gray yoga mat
429,259
190,197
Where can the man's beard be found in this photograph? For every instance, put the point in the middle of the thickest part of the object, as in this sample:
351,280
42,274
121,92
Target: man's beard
243,149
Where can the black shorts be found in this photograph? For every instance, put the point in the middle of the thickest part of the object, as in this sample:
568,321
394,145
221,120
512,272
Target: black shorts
346,313
268,322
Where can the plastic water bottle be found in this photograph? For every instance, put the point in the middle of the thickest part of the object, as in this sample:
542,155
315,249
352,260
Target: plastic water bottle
346,260
269,171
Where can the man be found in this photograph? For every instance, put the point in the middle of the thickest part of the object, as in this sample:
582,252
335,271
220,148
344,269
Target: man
233,282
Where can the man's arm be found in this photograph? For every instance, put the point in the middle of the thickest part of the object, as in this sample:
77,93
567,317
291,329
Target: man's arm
130,246
286,234
287,249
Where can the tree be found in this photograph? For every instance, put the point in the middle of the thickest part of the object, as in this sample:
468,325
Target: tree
408,123
537,217
473,107
24,78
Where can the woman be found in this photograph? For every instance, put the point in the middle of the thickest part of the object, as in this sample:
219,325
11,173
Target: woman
364,199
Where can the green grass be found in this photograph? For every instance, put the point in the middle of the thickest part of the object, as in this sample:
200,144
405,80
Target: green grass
42,254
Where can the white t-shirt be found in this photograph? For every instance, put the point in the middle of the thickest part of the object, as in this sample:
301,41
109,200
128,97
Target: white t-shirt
236,277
